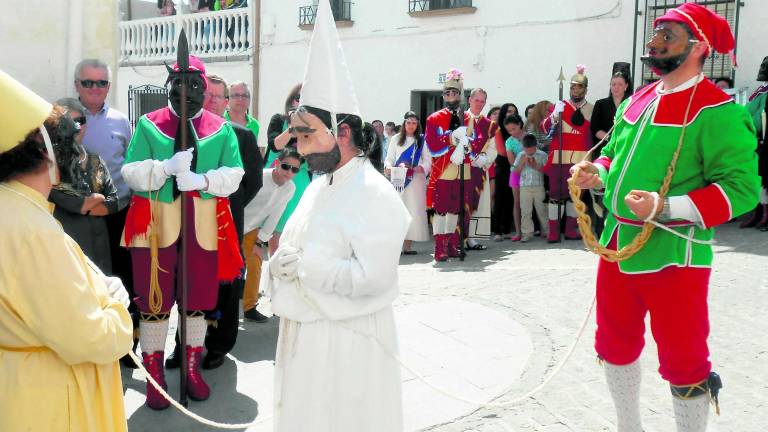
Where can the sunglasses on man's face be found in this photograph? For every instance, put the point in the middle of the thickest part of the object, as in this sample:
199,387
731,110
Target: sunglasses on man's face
451,93
90,83
289,167
297,98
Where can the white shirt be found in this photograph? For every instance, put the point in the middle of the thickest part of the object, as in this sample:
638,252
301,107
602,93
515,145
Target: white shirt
266,208
349,228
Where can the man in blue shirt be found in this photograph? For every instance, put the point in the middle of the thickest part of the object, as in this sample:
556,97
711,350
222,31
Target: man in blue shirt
108,135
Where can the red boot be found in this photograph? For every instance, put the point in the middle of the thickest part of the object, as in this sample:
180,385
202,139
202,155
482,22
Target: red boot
572,229
553,236
154,365
440,244
197,389
453,245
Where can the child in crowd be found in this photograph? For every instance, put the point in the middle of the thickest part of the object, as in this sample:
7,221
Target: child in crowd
528,165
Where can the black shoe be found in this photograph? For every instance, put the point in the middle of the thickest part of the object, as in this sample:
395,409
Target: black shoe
213,359
174,360
254,315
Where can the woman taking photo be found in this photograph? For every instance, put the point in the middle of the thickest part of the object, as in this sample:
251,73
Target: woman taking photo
407,150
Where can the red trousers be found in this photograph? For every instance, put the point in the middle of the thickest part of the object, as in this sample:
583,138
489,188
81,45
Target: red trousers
676,298
203,285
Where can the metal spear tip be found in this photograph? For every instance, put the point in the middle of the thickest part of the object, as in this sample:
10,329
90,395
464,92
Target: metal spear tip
182,52
561,78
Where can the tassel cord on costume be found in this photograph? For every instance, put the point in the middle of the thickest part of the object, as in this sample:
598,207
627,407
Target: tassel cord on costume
639,241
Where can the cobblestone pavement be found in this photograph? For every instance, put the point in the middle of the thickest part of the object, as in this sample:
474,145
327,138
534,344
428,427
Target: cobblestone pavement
548,290
515,309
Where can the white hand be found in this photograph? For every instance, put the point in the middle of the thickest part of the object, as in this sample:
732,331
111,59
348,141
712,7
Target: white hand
559,108
480,161
284,265
179,163
457,157
117,290
189,181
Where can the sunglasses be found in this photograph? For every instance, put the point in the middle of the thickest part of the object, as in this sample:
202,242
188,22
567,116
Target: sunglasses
289,167
80,120
450,93
90,83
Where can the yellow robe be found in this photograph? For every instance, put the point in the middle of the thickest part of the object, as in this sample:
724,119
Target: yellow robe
60,333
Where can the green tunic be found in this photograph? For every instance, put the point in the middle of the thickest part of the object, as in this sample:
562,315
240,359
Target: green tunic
717,169
155,136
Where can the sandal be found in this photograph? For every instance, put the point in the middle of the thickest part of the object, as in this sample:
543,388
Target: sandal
408,252
476,246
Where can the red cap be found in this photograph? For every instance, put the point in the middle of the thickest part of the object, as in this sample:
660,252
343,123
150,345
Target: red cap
708,26
195,64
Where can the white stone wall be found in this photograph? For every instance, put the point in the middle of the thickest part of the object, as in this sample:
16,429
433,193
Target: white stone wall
511,49
41,41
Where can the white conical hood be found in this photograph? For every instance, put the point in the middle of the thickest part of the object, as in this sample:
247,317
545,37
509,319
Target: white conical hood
327,81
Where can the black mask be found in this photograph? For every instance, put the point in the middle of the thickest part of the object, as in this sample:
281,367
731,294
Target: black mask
324,163
195,94
762,74
665,65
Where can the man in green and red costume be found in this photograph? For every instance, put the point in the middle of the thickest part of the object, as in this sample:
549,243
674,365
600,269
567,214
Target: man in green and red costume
159,172
715,179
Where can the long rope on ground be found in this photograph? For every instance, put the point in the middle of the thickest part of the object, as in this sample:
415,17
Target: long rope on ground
515,401
184,410
389,352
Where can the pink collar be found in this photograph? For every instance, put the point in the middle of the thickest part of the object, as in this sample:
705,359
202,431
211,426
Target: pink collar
672,105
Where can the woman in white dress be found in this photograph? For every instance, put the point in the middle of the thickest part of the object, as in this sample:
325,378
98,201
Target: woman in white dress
406,149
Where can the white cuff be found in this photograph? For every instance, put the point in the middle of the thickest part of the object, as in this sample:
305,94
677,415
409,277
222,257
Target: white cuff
144,176
681,207
222,182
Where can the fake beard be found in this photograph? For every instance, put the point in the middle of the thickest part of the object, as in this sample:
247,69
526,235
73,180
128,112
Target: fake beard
324,163
663,66
452,105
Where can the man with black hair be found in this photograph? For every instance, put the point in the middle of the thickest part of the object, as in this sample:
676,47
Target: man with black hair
261,217
334,277
669,138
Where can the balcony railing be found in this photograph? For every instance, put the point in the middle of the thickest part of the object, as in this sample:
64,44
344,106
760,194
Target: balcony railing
342,11
431,5
211,35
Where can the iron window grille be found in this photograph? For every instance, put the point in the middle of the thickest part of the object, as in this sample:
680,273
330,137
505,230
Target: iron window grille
342,11
145,99
717,65
430,5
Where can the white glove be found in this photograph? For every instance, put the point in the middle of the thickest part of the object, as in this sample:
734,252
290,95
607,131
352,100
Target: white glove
559,108
179,163
457,157
117,290
189,181
480,161
285,264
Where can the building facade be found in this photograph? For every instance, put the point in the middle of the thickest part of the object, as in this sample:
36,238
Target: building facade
398,50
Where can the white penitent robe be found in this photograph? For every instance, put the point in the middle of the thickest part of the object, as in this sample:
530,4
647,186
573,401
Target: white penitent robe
349,228
415,194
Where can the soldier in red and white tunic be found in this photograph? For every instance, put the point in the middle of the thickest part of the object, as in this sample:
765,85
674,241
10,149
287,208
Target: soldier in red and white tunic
576,114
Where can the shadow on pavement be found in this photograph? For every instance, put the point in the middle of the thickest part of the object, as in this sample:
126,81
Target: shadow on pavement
255,342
